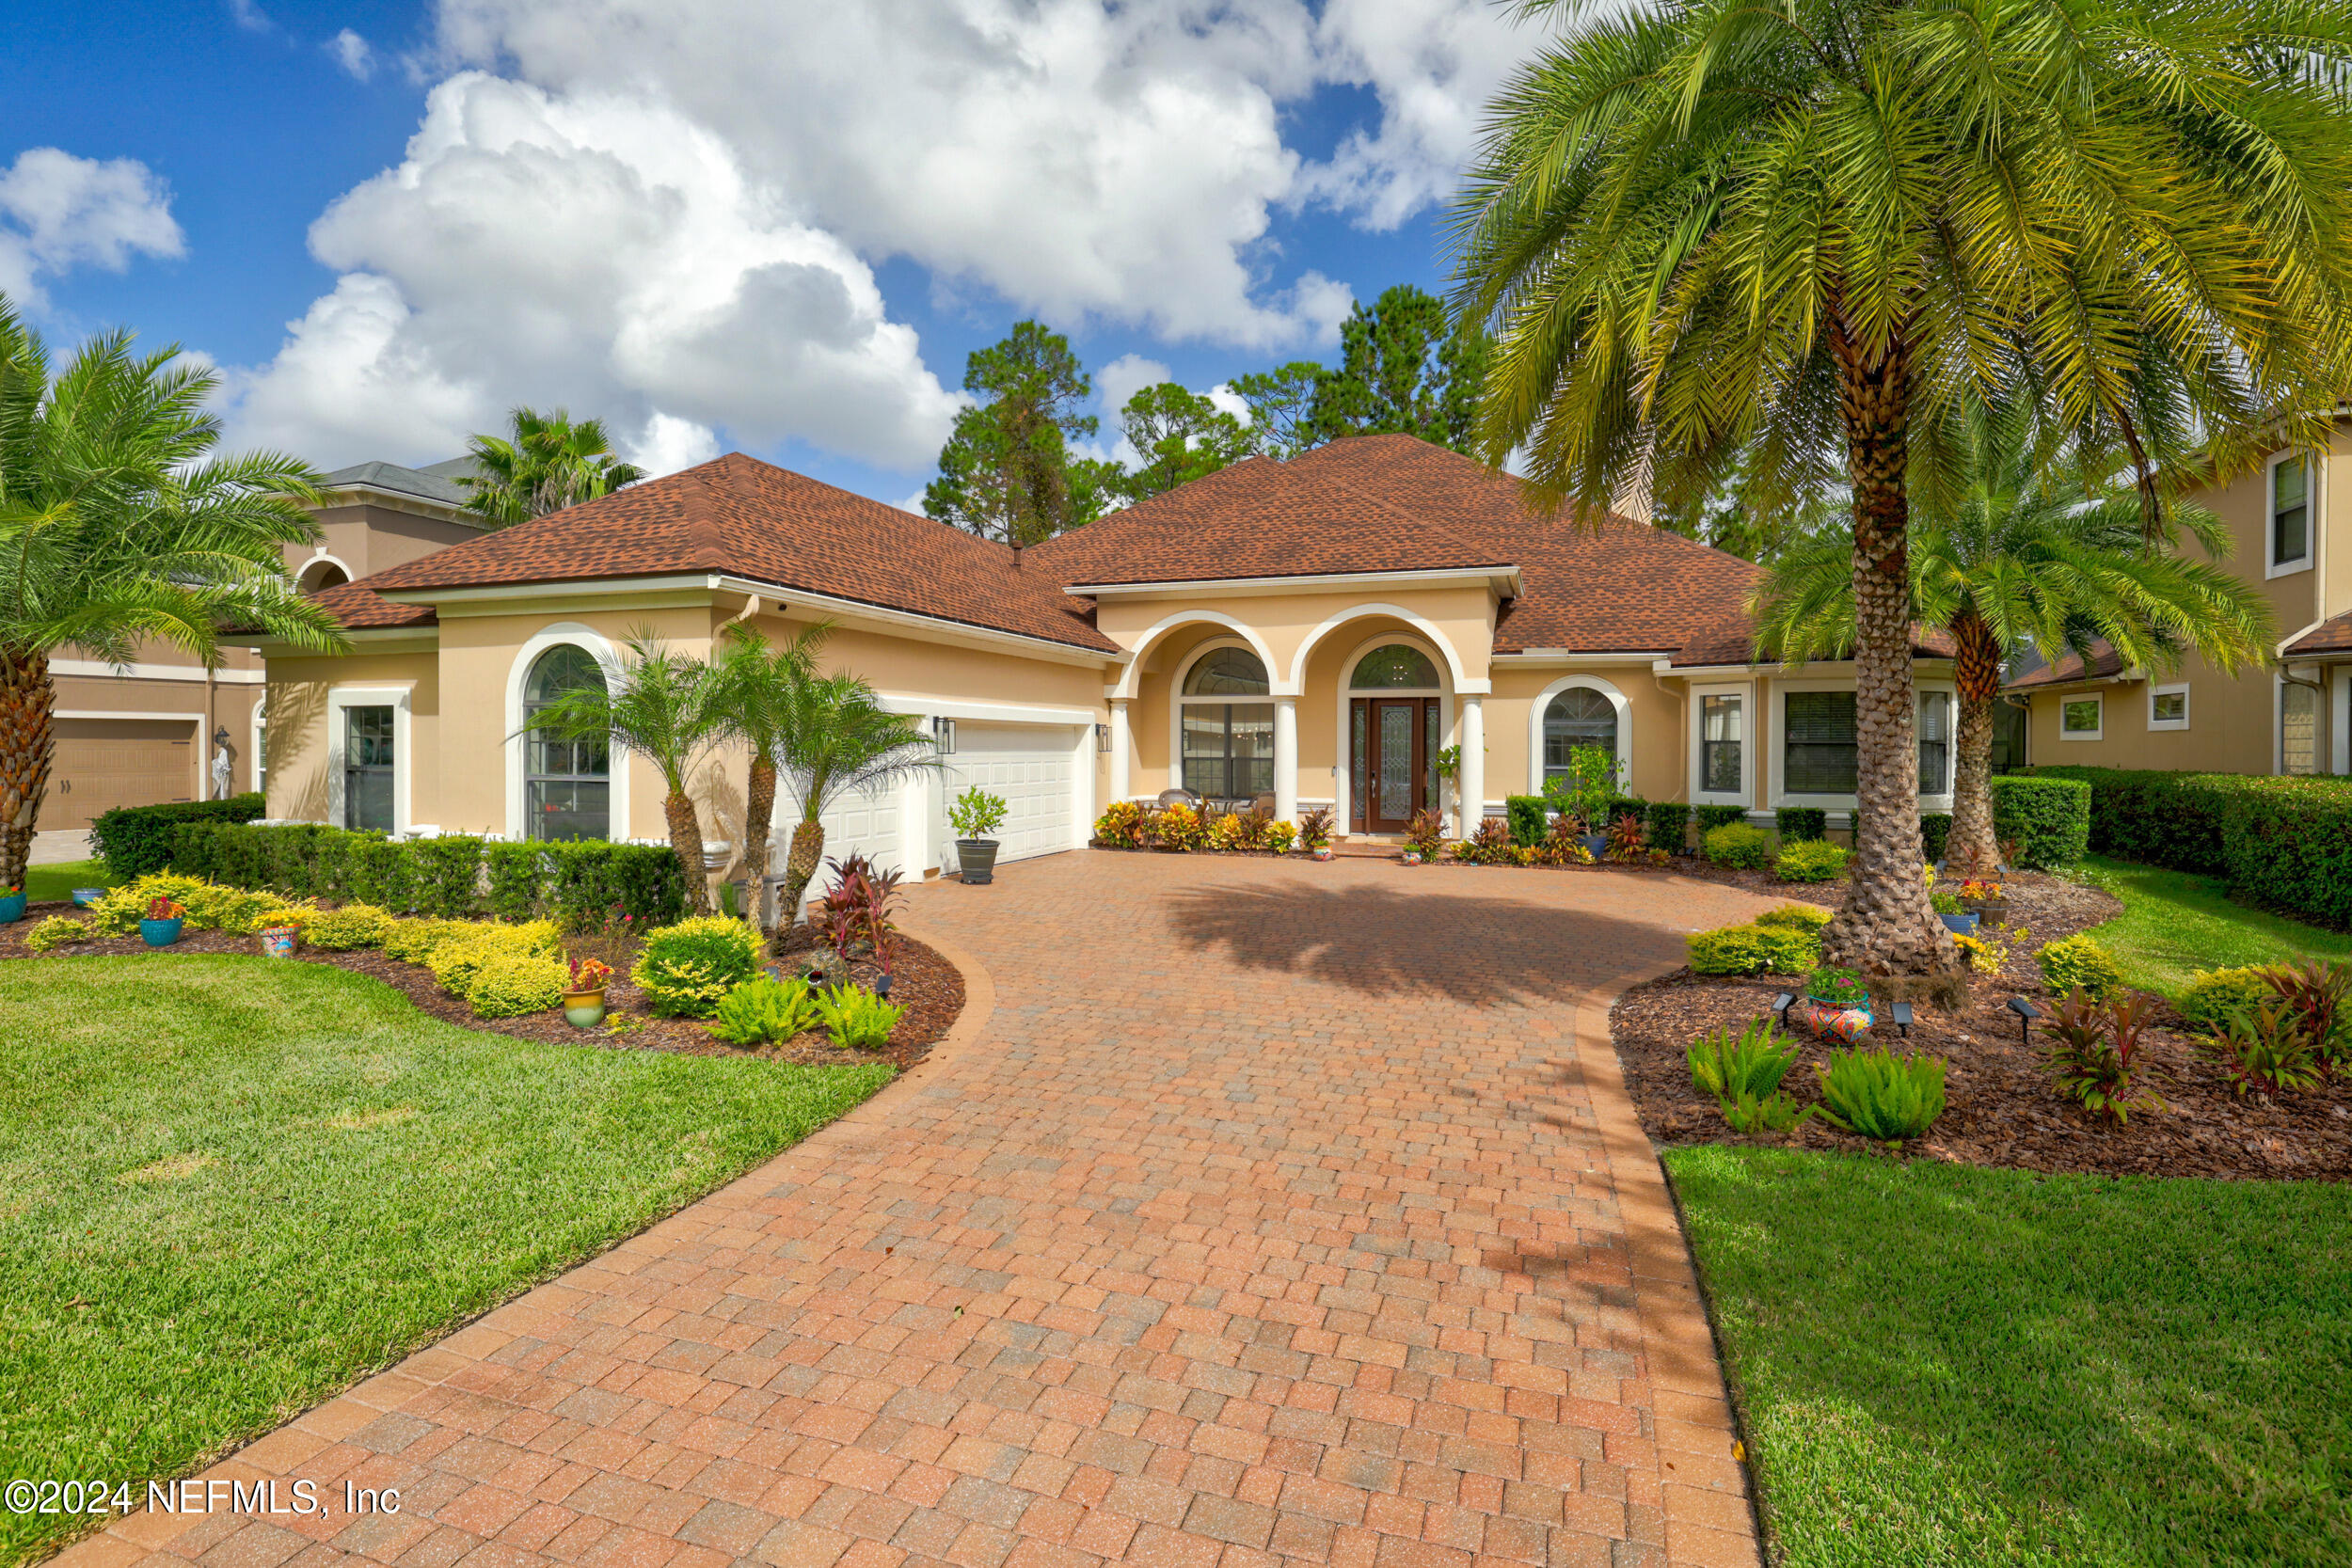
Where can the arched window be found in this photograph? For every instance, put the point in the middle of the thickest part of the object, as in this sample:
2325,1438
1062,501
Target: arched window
1577,717
320,576
1397,667
567,784
1227,746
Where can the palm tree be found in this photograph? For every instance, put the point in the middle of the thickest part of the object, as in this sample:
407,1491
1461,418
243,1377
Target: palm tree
835,738
550,463
119,525
2014,546
761,680
669,708
1792,232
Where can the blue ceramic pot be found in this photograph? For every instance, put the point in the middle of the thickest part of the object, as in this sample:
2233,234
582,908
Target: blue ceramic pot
159,933
1596,844
11,909
85,896
1961,925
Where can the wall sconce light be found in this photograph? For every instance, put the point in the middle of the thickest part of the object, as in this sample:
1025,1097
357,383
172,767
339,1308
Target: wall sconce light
1103,739
944,736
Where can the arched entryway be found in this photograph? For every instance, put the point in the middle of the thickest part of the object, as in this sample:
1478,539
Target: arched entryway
1395,699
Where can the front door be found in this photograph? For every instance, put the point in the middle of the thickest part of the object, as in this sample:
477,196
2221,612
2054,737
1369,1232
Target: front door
1394,750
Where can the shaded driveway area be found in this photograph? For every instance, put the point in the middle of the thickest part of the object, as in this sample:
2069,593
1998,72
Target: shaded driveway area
1260,1213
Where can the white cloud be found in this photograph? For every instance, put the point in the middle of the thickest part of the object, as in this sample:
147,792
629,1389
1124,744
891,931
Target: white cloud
599,252
58,212
670,443
353,53
250,16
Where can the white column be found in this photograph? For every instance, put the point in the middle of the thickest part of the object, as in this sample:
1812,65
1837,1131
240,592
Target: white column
1286,758
1471,778
1122,745
1082,771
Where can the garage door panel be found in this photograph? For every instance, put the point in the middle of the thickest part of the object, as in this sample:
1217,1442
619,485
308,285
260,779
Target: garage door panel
104,763
860,823
1030,766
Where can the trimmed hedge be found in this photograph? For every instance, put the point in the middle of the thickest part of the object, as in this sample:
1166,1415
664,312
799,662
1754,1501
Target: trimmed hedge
2047,819
1530,816
1669,826
1935,831
136,841
1799,823
1719,816
2159,818
454,877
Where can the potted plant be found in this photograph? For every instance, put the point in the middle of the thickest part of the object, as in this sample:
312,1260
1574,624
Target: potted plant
583,993
1839,988
1314,832
1424,836
159,926
1984,897
1592,784
280,934
11,905
85,896
975,814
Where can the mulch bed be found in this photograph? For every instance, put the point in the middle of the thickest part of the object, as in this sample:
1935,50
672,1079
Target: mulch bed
928,986
2000,1106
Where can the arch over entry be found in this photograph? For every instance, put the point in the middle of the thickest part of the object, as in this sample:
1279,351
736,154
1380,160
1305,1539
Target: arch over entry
1421,623
1131,678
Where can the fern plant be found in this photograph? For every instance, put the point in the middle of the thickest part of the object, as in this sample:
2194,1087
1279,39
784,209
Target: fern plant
1748,1064
765,1009
1875,1094
856,1018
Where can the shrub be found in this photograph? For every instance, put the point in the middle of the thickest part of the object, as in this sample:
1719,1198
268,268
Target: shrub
1935,832
1811,859
2210,1000
1489,844
1178,828
350,927
279,917
1564,844
1711,817
2047,819
2078,963
1315,829
686,968
462,954
1530,820
1730,950
2266,1049
1985,955
1804,917
1840,987
208,906
135,841
2315,993
1750,1063
2090,1052
1667,825
515,873
54,932
977,813
1875,1094
1625,840
1426,832
2287,844
1280,837
1228,833
763,1009
1737,845
857,907
1121,824
856,1018
1799,824
413,941
449,875
1773,1113
510,984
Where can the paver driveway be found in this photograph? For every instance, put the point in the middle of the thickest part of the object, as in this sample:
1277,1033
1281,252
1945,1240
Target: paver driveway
1277,1212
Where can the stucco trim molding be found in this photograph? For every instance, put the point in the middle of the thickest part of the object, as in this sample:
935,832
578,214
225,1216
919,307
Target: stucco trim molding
1131,678
602,650
1542,704
1462,684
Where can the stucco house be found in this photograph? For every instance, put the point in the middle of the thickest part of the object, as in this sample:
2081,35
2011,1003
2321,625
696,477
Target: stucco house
1314,630
2294,717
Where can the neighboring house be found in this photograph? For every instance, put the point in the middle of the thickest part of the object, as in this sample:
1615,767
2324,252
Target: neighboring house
2290,717
1310,632
136,736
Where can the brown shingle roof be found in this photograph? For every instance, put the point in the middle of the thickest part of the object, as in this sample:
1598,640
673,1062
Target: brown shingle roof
2103,664
751,519
361,608
2332,636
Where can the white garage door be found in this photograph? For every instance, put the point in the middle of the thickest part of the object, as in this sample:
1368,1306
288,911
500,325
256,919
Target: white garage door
867,824
1030,765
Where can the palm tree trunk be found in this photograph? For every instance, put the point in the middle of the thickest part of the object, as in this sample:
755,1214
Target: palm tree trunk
1886,927
28,745
686,843
800,868
1973,850
759,814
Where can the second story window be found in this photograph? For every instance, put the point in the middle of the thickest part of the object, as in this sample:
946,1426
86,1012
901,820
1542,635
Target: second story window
2290,511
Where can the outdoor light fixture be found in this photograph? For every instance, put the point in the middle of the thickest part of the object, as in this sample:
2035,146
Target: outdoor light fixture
2026,1012
1902,1011
1103,739
1780,1008
944,737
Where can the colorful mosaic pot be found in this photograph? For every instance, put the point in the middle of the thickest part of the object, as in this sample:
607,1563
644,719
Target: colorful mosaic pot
1832,1021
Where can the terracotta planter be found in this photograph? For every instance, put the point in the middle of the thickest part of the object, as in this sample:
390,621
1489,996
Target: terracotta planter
583,1009
279,941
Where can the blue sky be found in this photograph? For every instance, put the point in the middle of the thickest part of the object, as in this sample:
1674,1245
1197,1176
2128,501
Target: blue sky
722,223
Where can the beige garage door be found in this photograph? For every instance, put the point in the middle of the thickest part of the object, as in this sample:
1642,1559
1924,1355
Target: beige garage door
105,763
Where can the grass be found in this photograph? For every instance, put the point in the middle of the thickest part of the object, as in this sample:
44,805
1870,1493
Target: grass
43,883
228,1188
2176,923
1947,1366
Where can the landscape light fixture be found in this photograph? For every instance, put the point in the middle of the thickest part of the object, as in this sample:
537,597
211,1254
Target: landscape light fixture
2026,1012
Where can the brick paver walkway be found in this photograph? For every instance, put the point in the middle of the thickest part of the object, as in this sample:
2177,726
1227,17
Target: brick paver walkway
1275,1214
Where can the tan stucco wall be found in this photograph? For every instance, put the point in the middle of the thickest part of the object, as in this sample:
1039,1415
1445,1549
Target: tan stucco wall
1283,622
366,538
299,744
1658,747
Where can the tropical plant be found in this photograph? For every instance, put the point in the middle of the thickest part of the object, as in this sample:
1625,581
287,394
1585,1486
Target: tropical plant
1564,841
835,739
686,968
1426,832
1121,824
2315,993
1627,841
1876,1094
1750,1063
1786,240
1177,828
587,975
977,813
1280,837
1840,986
668,707
1315,829
1747,1113
764,1009
2018,545
1589,786
119,525
758,679
856,1018
2266,1050
546,463
2090,1048
857,908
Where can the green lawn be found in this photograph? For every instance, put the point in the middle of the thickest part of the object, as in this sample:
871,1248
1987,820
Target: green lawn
1948,1366
228,1188
2176,923
43,883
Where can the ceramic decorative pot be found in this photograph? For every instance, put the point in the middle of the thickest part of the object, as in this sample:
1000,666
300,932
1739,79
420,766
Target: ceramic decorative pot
85,896
1412,857
11,909
1961,925
583,1009
159,933
1323,853
279,941
978,859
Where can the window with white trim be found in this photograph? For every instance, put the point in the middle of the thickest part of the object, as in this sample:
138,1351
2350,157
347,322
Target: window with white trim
567,785
1227,747
2289,513
1722,734
1577,717
1820,747
2168,708
1935,743
2082,718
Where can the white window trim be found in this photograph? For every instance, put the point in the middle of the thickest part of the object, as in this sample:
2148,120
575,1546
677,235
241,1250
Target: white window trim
518,757
2066,697
1951,736
2272,567
395,695
2163,726
1543,703
1780,794
1344,765
1745,691
323,559
1176,699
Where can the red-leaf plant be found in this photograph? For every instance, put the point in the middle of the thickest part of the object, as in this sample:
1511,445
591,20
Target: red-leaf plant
857,907
2315,994
2091,1049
